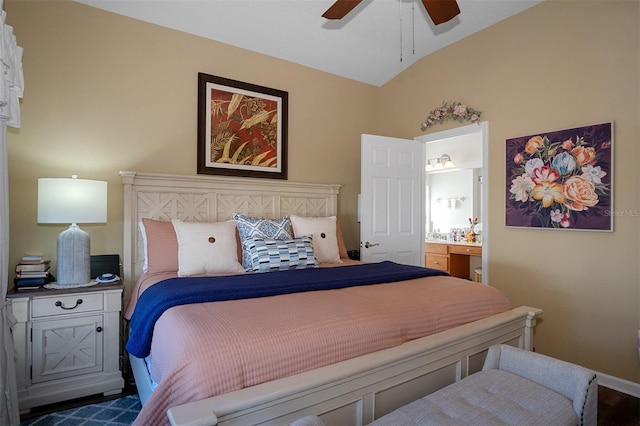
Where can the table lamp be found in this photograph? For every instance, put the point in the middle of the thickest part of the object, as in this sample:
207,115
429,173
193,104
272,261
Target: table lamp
74,201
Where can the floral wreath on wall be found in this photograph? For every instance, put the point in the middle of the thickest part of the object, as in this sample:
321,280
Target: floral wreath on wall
456,111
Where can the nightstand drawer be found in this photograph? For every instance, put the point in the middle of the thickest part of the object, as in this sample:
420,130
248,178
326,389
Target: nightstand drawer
66,304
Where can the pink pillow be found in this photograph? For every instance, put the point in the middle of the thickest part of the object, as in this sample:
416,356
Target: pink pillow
342,248
160,246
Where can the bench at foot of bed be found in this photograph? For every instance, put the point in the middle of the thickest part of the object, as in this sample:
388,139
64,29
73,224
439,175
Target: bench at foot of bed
514,387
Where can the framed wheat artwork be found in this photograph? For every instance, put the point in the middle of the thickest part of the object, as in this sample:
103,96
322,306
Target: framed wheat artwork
242,128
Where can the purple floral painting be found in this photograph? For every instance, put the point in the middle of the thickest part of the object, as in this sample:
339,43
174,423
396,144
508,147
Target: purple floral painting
561,179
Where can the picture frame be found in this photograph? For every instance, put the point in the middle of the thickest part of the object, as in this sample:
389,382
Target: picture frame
561,179
242,129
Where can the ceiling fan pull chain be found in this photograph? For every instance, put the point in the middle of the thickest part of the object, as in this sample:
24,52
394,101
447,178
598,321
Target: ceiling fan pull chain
413,27
400,13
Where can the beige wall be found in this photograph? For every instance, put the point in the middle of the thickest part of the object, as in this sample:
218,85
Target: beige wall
561,64
106,93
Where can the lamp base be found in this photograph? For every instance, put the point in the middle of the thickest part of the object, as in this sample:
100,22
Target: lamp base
74,256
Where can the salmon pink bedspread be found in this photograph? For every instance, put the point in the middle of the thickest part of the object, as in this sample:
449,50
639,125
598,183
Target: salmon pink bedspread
206,349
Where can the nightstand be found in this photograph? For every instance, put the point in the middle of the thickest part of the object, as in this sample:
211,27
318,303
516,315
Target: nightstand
67,343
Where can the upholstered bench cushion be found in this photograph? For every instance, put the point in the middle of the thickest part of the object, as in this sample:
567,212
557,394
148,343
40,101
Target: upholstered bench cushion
488,397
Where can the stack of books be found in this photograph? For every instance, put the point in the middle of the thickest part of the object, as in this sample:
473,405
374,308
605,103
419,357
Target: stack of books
32,272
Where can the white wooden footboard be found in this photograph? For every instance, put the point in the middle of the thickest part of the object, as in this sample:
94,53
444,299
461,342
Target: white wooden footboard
359,390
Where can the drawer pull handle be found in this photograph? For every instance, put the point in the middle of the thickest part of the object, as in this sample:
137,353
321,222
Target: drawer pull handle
59,303
99,329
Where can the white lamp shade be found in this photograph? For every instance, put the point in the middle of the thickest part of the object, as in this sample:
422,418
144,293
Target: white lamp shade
62,200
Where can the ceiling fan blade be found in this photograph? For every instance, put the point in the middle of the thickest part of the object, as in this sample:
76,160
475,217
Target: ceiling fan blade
441,10
340,8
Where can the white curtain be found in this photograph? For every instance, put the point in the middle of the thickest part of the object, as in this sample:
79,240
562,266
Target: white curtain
11,89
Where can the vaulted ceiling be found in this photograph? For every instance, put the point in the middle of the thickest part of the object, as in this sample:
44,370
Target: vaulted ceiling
375,42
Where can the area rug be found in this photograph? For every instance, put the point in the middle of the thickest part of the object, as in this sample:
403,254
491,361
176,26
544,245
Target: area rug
117,412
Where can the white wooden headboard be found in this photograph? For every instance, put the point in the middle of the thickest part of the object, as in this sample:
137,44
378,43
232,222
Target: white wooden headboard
204,198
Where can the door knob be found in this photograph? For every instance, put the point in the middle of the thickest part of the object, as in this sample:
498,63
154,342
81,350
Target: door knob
368,244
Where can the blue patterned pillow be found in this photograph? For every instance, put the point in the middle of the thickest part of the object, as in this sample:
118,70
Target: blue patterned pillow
280,255
253,227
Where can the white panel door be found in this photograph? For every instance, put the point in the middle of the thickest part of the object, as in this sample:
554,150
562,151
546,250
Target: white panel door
391,202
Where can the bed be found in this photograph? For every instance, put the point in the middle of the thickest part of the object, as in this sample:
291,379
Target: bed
342,352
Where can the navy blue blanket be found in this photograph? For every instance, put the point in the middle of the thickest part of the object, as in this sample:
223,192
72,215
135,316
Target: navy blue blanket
169,293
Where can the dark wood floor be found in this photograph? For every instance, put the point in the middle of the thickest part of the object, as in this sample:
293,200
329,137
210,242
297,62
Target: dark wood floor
614,408
617,408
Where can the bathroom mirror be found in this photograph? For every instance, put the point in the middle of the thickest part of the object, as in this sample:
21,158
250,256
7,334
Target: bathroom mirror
452,197
453,184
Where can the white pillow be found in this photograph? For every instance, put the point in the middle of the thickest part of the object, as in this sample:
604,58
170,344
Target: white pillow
143,233
206,248
323,232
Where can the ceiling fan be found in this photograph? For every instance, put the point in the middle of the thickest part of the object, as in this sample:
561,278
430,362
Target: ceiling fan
439,10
